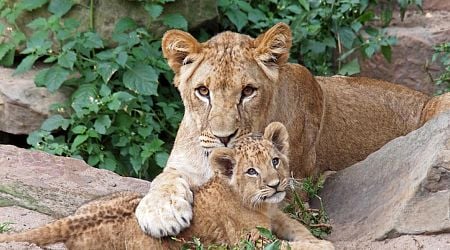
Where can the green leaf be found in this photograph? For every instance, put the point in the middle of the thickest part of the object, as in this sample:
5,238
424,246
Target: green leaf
8,59
347,36
26,64
109,163
125,24
107,70
80,129
154,10
273,245
141,79
67,59
387,52
38,23
31,4
350,68
105,55
92,41
175,21
78,141
237,17
265,232
304,4
60,7
55,122
52,78
161,159
102,123
71,23
122,58
4,48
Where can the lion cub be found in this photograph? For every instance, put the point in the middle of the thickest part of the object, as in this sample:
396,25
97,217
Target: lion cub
250,180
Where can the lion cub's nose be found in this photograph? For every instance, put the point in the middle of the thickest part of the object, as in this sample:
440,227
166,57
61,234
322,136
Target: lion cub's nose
274,184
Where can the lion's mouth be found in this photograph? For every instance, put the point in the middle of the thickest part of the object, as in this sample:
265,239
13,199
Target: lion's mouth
276,197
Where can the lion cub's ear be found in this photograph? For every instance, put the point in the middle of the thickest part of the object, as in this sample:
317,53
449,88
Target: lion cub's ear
276,133
272,47
222,161
176,46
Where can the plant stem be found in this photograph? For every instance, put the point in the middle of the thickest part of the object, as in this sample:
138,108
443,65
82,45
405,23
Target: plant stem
91,17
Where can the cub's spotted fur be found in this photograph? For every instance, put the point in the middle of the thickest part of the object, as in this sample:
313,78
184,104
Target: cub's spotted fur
249,182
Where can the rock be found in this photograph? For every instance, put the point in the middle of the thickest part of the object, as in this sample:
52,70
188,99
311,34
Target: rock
23,106
436,5
401,189
411,57
420,242
24,219
55,185
107,13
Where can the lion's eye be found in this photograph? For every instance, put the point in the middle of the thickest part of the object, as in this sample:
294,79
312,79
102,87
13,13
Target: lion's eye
203,91
248,91
252,171
275,161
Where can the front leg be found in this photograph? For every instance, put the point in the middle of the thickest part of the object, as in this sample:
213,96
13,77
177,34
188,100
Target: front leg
167,208
295,234
287,228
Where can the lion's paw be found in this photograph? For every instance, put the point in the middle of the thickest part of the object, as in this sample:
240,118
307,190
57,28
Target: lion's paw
166,210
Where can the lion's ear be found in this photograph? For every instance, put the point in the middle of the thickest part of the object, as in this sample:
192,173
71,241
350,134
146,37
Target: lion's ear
277,133
176,46
222,161
272,47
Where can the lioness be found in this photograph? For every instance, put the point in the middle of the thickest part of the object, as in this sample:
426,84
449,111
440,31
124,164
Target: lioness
250,180
233,84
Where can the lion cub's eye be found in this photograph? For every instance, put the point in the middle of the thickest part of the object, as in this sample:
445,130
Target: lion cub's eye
252,171
203,91
275,161
248,91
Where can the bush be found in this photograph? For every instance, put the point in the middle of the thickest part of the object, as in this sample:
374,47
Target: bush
442,53
325,33
123,113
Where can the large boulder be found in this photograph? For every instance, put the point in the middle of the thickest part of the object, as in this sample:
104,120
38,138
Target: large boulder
55,185
36,188
23,106
401,189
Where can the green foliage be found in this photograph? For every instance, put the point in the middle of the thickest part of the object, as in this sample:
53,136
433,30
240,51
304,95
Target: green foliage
123,113
316,220
266,240
5,227
442,54
325,33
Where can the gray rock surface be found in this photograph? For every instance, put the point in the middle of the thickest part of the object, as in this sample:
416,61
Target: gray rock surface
54,185
401,189
23,106
411,57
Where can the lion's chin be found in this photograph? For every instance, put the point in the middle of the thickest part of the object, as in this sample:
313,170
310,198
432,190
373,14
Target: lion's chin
276,197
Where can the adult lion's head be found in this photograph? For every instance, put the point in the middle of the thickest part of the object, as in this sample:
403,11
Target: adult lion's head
226,83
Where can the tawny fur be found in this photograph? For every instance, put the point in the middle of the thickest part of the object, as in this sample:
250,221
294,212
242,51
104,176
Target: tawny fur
333,122
226,209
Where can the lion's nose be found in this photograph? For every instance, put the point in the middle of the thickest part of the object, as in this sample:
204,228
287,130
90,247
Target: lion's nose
274,184
226,139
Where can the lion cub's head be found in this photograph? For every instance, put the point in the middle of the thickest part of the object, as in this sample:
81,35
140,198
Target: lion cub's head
227,82
257,168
